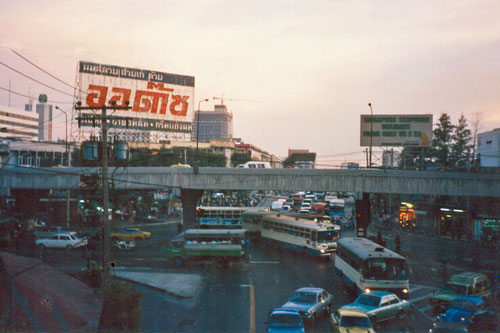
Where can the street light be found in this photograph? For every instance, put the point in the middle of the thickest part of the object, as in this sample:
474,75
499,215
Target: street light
371,133
198,129
67,148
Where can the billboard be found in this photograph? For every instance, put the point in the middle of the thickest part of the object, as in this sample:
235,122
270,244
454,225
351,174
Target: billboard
391,130
161,102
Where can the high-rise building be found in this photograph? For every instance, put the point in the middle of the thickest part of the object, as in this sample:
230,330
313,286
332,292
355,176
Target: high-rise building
44,121
217,124
17,123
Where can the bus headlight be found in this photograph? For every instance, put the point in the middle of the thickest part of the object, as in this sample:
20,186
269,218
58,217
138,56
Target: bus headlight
367,290
322,251
405,291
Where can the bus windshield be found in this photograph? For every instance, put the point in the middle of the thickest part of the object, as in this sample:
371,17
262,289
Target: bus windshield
328,236
385,269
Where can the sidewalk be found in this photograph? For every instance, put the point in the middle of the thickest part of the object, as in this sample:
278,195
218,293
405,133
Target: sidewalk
178,285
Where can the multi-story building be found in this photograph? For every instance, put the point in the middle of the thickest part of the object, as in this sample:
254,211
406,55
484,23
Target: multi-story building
488,148
16,123
217,124
44,111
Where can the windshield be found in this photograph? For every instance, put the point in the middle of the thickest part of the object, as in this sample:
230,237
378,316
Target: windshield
328,236
367,299
354,321
385,269
455,289
285,320
303,297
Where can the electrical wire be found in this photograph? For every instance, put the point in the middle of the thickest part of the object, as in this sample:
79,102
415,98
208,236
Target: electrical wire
31,97
35,80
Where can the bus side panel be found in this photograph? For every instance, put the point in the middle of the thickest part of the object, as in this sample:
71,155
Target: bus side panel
290,242
350,276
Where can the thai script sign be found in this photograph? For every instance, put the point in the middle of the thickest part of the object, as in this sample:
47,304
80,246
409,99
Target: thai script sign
157,99
396,130
144,124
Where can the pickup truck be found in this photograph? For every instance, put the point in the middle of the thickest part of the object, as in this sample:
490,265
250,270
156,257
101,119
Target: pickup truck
181,251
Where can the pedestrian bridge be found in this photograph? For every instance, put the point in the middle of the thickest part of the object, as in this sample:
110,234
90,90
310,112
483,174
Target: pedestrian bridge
362,180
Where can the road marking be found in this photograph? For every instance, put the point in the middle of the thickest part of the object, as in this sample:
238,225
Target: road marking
413,300
252,305
264,262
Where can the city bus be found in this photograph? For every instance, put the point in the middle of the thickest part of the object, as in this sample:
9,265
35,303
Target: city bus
251,221
319,209
219,217
221,246
365,266
336,207
306,236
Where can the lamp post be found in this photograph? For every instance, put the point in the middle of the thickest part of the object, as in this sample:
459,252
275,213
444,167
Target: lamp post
198,129
67,147
371,134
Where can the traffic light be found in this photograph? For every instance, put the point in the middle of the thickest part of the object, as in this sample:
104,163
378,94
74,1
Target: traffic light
362,214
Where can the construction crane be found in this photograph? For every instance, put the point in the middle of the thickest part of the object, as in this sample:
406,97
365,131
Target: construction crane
232,99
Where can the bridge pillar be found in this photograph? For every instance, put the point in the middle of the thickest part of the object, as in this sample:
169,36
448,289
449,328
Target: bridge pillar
189,198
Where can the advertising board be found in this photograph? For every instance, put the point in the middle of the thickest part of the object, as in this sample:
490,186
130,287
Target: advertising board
159,101
392,130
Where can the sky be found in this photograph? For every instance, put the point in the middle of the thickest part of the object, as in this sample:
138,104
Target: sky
295,74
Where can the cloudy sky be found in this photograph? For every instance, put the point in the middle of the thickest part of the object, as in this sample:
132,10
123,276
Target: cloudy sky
295,74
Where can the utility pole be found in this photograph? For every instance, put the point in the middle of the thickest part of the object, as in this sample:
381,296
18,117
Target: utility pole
105,189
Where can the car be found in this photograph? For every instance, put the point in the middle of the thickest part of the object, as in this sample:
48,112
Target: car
61,240
284,320
304,211
310,302
131,234
286,208
466,313
380,306
350,320
47,231
462,284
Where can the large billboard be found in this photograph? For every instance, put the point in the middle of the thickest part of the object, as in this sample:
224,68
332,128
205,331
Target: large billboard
161,102
390,130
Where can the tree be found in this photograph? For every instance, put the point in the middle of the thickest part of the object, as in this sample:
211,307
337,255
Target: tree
477,124
461,147
239,158
441,143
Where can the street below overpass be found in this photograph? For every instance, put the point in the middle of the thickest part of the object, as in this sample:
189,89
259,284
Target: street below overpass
224,303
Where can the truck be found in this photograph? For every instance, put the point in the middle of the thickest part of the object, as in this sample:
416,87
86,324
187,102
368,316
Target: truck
220,246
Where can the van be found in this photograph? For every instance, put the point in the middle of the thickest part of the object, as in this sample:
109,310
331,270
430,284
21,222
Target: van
462,284
255,165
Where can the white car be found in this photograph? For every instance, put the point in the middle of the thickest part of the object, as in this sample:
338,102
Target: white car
306,206
61,240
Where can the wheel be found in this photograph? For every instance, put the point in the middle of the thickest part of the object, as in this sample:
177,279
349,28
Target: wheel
373,320
69,247
42,247
313,318
177,261
401,315
327,310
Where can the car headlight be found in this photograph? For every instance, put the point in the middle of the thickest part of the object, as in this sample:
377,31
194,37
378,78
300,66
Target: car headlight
405,291
367,290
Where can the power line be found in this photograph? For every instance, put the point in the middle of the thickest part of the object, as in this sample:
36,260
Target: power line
35,80
31,97
43,70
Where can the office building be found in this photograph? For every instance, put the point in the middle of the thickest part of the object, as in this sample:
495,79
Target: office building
44,121
17,123
217,124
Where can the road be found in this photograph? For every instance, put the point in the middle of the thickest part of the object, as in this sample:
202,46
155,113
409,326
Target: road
224,303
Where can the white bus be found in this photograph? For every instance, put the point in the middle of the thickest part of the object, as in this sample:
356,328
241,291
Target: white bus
365,265
208,217
307,236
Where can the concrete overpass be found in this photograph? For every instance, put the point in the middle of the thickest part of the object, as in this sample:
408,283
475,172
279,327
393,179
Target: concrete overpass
192,182
372,181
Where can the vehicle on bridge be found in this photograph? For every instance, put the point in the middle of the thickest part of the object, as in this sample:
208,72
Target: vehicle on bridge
307,236
222,246
255,165
366,266
220,217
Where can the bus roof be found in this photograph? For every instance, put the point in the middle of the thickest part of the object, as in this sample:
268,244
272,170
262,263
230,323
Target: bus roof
364,249
229,208
193,232
301,223
319,205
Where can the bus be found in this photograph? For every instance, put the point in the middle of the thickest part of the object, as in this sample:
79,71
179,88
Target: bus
221,246
306,236
219,217
336,207
251,221
319,209
365,266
